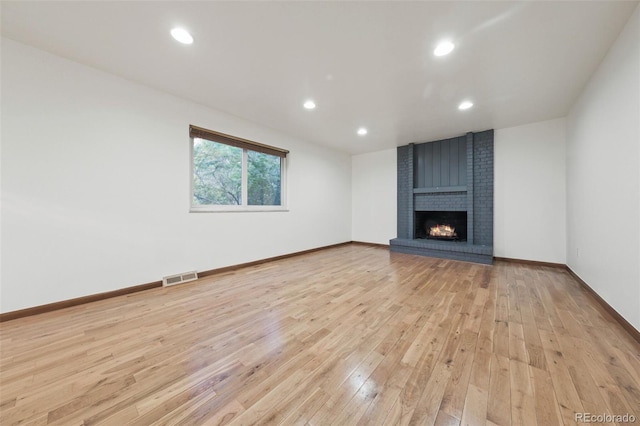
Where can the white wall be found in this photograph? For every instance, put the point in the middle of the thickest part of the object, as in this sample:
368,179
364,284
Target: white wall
530,193
603,186
374,188
95,186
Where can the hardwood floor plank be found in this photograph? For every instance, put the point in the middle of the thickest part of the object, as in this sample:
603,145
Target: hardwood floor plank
347,390
523,410
563,385
499,407
201,415
475,406
546,406
427,408
517,348
302,413
455,393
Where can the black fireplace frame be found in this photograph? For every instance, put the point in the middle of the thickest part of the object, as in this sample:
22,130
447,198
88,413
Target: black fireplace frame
424,220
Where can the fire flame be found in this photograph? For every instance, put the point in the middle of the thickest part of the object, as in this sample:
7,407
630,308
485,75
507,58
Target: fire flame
442,231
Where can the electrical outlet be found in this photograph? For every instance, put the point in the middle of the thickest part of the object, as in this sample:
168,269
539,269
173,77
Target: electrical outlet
577,252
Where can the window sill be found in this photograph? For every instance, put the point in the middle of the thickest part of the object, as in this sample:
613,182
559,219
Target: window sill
240,209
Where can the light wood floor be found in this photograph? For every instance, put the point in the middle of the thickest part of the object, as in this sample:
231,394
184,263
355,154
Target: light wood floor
349,335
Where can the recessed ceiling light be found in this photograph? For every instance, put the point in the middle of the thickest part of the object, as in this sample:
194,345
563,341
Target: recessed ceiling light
444,48
182,35
362,131
309,104
465,105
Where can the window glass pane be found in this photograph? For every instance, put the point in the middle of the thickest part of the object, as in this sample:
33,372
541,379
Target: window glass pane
217,173
264,179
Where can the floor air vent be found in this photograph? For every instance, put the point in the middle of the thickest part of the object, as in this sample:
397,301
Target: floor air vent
180,278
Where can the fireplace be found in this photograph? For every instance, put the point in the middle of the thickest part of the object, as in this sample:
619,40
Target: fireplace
445,198
446,226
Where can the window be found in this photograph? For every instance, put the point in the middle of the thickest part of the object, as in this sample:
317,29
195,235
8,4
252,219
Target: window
234,174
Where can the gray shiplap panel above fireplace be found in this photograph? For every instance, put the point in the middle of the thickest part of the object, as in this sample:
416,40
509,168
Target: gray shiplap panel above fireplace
440,164
451,175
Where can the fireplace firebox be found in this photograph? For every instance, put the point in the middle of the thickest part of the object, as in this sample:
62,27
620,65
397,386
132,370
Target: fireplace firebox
437,225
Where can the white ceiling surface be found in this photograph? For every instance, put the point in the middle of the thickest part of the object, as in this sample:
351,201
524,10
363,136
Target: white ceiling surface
364,63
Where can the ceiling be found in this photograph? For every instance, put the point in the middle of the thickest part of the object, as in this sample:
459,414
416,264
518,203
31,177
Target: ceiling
363,63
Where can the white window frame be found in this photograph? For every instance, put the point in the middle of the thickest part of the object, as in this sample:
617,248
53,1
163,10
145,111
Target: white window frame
244,207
